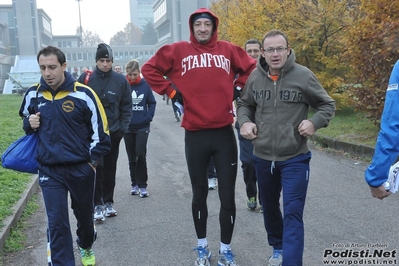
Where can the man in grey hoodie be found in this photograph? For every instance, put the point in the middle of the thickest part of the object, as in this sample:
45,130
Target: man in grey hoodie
277,96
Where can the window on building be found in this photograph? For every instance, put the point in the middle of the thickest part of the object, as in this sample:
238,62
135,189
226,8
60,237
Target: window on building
84,56
74,57
46,24
68,57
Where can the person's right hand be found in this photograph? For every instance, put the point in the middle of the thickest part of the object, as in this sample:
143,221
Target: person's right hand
178,97
249,130
379,192
34,120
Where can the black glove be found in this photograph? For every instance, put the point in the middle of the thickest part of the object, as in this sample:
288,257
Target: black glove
237,92
178,98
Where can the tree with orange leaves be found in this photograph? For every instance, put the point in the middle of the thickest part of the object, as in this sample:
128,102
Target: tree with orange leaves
314,29
372,50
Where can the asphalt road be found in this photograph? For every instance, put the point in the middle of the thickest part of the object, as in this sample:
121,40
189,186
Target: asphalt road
342,220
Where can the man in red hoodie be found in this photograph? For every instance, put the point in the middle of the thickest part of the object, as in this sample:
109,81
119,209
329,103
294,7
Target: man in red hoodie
201,76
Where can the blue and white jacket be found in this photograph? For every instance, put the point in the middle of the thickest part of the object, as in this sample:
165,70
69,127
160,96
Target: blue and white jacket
143,107
387,146
73,125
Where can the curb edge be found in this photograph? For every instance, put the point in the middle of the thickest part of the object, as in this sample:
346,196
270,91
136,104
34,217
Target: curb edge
11,220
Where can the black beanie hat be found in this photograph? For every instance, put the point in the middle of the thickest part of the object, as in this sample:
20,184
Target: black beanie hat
104,51
203,15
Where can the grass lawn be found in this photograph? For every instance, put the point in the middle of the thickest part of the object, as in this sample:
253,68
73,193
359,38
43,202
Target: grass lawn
351,127
12,183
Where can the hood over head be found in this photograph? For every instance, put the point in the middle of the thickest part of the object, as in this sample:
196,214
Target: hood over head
204,13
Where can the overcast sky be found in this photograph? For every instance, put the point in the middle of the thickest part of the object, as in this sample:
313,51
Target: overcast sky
104,17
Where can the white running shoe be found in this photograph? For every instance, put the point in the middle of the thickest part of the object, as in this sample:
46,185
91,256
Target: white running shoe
226,258
177,116
109,210
212,183
99,213
135,190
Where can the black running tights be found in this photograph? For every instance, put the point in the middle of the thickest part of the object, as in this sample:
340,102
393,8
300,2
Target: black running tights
200,146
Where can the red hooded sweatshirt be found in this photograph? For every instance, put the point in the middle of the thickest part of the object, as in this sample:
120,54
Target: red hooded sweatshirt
203,73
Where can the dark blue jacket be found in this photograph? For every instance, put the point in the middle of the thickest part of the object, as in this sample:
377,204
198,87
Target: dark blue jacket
73,125
143,107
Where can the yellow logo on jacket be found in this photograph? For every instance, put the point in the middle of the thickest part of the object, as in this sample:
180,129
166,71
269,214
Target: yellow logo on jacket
68,106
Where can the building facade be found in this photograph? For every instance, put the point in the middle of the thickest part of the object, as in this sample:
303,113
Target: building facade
27,31
141,11
22,36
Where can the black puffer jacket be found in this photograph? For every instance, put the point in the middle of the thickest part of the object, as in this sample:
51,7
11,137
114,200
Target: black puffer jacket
114,93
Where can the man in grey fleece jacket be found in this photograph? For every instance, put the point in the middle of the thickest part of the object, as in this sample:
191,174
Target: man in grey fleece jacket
277,96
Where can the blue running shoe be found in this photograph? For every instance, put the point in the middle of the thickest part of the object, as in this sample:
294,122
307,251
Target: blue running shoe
226,258
277,258
143,192
204,256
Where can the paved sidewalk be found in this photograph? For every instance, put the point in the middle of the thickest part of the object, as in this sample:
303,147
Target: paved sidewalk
33,185
330,186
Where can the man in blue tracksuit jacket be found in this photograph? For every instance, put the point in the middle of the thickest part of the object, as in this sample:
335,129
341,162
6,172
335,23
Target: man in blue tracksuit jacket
387,146
73,134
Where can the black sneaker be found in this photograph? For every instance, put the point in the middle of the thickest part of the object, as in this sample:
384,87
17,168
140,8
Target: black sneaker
251,203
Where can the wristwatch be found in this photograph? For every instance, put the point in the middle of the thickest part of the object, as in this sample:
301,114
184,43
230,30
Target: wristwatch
93,163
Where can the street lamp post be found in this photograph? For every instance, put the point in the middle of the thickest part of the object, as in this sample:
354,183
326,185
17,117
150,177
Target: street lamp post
80,20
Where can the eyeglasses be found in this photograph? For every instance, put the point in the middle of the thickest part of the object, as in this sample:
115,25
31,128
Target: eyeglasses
278,50
255,51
